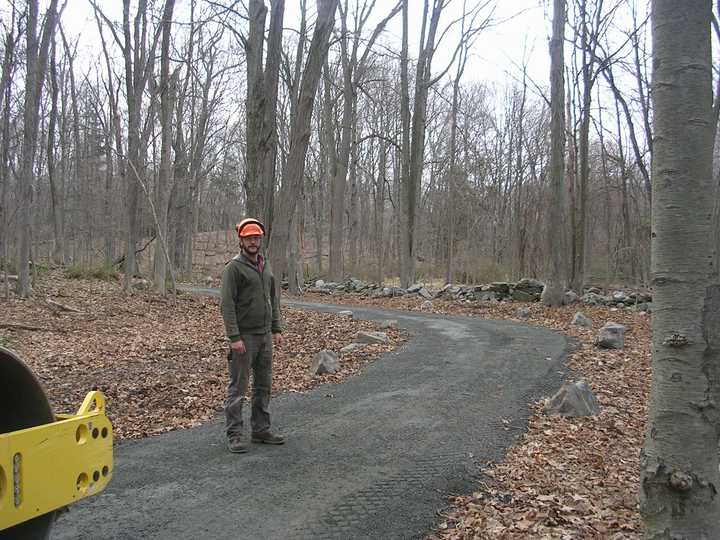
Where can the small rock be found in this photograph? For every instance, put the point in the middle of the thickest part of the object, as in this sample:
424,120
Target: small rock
319,290
522,313
427,305
389,323
371,337
415,287
346,313
611,336
209,281
352,347
573,399
593,299
581,320
424,293
319,283
325,362
142,285
449,290
357,285
570,297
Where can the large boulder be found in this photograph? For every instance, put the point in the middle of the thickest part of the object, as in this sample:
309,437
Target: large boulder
527,290
524,296
325,362
570,297
499,287
573,399
611,336
531,285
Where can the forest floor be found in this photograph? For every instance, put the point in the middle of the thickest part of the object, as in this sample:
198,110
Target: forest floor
566,477
161,365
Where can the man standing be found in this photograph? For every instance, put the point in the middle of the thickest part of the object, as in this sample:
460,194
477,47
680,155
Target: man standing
251,314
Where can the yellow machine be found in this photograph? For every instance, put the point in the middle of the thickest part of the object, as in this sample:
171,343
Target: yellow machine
47,461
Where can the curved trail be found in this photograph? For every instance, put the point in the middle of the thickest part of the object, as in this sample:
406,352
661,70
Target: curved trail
374,457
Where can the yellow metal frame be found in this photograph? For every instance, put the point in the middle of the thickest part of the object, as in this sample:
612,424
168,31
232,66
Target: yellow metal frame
46,467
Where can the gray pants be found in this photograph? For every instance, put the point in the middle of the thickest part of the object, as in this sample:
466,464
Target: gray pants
258,357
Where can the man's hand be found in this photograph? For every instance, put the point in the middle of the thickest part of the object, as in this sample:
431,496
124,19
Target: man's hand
238,346
278,340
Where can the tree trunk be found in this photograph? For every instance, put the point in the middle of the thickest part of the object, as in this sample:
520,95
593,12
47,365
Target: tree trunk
262,90
415,151
5,95
679,461
36,61
553,292
300,134
353,71
58,252
407,267
165,176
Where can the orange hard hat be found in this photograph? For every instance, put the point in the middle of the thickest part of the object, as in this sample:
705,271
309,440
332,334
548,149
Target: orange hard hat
250,227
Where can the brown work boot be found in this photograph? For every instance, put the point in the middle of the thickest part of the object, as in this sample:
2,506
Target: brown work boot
236,445
267,438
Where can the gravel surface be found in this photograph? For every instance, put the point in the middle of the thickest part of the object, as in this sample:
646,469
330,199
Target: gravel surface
375,457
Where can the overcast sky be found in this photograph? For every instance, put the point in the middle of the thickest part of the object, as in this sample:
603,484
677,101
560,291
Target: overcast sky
520,31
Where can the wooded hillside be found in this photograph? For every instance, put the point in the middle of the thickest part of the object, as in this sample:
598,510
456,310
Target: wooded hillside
366,153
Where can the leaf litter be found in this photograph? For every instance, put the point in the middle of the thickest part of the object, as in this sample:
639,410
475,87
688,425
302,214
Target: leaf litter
162,364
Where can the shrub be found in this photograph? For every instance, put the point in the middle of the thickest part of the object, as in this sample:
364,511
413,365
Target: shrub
103,273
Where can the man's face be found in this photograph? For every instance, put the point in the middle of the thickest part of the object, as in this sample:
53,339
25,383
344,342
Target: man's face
251,244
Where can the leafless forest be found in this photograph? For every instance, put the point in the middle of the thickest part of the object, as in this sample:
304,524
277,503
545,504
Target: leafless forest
367,156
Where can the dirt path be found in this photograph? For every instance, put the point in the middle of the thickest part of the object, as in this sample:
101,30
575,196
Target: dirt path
375,457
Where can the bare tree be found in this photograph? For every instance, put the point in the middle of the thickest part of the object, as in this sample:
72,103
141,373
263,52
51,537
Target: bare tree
294,170
139,59
8,67
553,292
262,94
354,66
162,197
413,146
679,461
36,60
